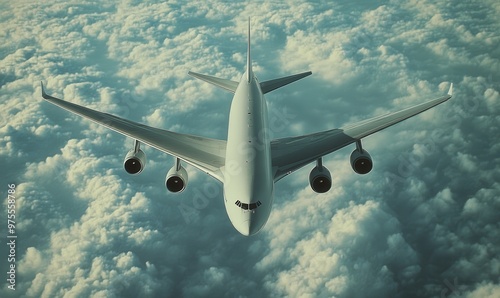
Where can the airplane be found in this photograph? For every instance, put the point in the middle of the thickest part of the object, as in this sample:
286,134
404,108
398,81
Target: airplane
248,163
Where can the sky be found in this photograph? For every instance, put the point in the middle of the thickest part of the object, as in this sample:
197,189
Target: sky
423,223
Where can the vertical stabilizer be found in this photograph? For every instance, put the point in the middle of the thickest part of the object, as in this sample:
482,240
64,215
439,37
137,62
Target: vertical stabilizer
249,60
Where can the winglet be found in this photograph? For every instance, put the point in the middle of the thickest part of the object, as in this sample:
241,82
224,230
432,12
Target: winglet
450,91
44,95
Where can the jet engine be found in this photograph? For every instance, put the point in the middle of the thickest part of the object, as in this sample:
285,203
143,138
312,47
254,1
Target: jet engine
320,178
177,178
135,161
361,161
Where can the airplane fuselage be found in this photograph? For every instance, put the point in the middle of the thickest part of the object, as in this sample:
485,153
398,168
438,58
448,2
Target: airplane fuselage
248,178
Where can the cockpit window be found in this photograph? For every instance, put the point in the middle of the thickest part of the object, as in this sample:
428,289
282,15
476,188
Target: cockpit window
250,206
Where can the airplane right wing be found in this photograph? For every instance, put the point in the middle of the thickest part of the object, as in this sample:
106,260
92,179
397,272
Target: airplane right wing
290,154
206,154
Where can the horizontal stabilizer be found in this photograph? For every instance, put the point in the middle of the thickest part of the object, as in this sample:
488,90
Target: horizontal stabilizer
221,83
271,85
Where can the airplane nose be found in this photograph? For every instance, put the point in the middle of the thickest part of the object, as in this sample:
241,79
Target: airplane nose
249,227
247,222
253,228
244,229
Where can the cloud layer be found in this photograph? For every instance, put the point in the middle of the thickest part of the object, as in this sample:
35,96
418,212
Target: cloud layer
424,223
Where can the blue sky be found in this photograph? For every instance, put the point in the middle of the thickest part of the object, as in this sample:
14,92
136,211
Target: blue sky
423,223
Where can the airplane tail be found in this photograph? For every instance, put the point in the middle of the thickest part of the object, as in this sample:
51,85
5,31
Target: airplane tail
266,86
225,84
249,60
271,85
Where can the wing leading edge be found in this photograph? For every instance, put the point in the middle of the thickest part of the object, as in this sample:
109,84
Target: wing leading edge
206,154
290,154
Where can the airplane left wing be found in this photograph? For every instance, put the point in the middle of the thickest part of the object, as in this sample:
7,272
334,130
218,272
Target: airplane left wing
206,154
290,154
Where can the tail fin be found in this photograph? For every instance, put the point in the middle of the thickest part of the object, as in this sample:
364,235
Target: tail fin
249,60
228,84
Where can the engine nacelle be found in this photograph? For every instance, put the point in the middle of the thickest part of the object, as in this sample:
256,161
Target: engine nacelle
361,162
320,179
134,162
176,180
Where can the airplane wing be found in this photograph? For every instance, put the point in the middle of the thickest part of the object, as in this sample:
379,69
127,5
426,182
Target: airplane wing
206,154
290,154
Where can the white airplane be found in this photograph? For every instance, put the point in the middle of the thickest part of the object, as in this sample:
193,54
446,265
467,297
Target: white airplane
249,163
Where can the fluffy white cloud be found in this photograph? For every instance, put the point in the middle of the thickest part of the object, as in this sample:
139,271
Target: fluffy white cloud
423,224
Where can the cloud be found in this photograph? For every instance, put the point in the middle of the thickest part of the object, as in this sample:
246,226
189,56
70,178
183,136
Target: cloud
484,290
422,224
